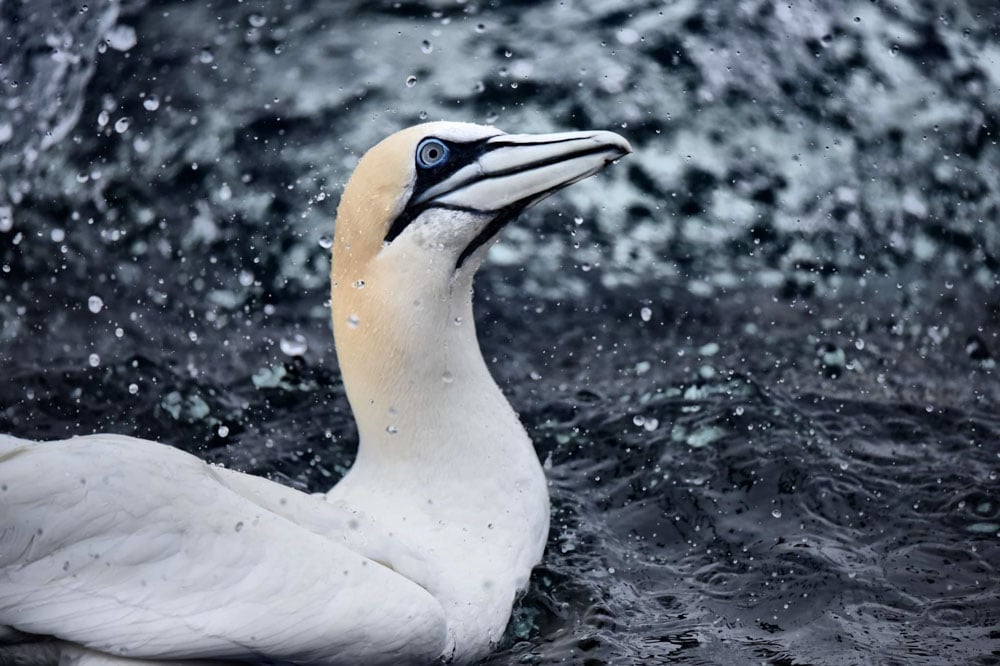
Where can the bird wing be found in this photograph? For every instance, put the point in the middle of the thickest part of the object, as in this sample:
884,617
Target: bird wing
138,549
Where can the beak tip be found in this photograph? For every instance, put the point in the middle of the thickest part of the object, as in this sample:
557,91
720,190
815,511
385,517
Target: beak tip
614,142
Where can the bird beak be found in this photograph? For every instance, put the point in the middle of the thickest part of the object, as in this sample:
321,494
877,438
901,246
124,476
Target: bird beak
515,171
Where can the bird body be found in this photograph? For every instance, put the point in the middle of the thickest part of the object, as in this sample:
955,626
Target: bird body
144,551
117,547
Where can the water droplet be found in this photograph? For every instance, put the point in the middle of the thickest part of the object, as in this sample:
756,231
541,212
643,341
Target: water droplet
95,304
94,360
257,21
411,81
639,420
151,103
353,321
239,526
391,429
325,242
710,349
578,221
296,346
358,284
651,424
245,278
776,513
480,27
859,344
133,388
426,46
646,314
6,219
738,411
447,377
458,321
121,38
205,57
894,50
102,118
121,125
223,431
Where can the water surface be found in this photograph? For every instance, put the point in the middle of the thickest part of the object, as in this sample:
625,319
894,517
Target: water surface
758,357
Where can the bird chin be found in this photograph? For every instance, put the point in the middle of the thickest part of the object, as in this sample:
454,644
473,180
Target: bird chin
488,234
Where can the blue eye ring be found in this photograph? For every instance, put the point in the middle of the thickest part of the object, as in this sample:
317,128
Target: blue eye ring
431,153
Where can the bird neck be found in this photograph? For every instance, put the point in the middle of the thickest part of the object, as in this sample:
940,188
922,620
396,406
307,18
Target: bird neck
416,380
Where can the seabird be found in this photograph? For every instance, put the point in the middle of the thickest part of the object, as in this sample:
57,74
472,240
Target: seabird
115,549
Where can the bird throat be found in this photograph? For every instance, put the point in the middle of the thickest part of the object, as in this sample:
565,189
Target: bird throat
413,370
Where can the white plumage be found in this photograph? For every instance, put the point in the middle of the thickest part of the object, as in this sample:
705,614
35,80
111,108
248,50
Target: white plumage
117,548
142,550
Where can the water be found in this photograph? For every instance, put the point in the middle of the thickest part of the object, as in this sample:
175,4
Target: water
761,369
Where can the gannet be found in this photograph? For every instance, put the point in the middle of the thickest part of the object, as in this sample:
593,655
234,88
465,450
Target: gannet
115,549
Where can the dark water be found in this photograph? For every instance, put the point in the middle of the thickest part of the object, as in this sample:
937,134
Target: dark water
758,357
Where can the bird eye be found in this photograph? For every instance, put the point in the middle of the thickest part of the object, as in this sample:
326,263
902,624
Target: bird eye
431,152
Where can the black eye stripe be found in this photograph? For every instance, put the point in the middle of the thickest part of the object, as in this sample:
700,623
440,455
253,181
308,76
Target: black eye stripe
460,154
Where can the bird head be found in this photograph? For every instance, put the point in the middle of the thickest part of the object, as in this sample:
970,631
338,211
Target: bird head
415,221
437,194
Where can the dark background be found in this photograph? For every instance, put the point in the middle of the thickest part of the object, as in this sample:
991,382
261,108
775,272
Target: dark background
759,355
